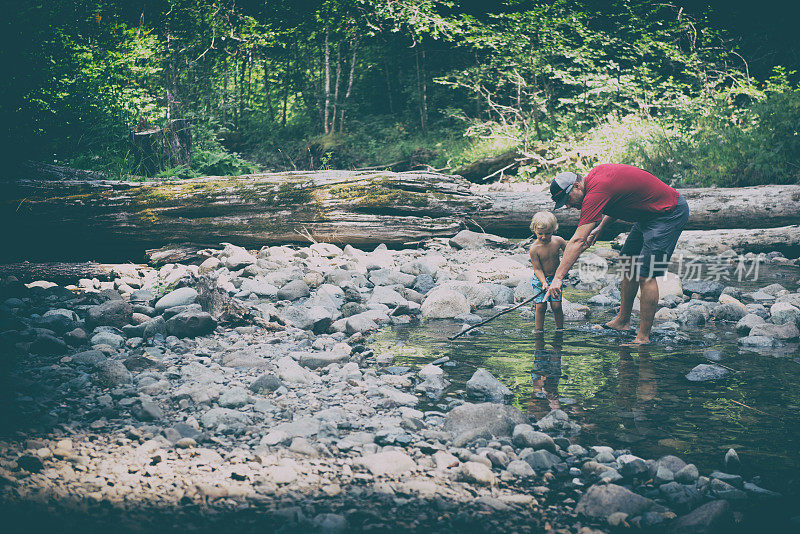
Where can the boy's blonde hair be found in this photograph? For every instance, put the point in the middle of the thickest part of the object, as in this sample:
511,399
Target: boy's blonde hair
544,220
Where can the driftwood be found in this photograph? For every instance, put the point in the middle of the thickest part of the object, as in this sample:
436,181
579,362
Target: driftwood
66,217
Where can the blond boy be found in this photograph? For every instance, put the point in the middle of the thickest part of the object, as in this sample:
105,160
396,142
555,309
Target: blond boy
545,257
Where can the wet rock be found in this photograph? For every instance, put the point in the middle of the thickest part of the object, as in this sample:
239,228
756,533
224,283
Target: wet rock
191,323
723,490
525,436
757,342
680,495
484,386
692,317
387,463
444,304
776,331
714,516
673,463
747,323
180,297
294,290
732,462
729,312
687,475
495,419
557,421
705,372
759,492
601,501
783,312
330,523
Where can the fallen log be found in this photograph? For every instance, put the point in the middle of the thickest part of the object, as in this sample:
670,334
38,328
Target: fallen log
784,239
58,272
64,216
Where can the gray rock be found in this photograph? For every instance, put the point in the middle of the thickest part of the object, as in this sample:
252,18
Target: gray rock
732,462
776,331
557,421
423,283
468,239
673,463
525,436
542,460
495,419
89,357
758,342
477,473
108,338
147,410
601,501
708,289
216,418
783,312
729,312
759,492
294,290
179,297
520,468
483,386
266,383
687,475
330,523
111,373
443,303
191,324
154,327
747,322
360,323
48,345
714,516
314,360
387,463
680,495
115,313
235,397
692,317
704,372
723,490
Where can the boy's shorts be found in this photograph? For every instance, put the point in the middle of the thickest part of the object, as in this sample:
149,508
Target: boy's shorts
651,244
537,287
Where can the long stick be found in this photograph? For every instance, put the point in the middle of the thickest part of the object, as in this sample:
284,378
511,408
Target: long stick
451,338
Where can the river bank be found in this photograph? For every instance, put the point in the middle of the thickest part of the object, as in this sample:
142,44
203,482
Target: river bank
244,390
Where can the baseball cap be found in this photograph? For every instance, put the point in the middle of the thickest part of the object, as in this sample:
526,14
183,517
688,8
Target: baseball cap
561,186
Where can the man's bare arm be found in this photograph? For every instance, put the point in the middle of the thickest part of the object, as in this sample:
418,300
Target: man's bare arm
575,246
600,227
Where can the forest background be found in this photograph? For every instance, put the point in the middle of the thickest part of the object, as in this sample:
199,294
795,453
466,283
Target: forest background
699,93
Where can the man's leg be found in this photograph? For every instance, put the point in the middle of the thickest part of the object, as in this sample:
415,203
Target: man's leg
648,302
628,288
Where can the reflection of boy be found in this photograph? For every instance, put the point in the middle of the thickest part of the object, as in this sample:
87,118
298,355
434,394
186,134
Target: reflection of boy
546,371
545,256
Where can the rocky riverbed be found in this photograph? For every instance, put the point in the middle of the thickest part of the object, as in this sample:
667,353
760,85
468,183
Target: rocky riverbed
241,392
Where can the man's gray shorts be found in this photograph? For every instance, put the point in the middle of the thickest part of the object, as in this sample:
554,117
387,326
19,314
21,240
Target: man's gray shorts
652,243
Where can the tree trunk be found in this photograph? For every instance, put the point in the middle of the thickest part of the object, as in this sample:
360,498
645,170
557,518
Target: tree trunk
73,215
157,149
327,81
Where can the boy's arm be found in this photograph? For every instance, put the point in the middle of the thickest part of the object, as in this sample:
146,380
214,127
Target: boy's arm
538,271
592,237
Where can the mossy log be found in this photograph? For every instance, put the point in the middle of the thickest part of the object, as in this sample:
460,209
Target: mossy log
49,214
64,217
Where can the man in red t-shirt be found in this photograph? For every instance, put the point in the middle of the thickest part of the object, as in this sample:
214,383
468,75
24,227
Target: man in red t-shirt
659,214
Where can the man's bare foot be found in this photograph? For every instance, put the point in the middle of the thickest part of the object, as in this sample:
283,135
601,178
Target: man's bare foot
614,325
637,342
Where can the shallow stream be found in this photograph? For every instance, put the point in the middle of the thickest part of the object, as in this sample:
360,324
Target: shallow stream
633,398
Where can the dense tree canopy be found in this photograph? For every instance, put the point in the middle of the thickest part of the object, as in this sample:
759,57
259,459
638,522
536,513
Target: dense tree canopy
356,83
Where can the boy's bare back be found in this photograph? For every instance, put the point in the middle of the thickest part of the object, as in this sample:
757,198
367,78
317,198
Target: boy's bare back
548,254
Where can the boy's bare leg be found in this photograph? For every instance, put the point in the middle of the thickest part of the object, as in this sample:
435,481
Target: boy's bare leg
628,288
648,301
558,314
541,308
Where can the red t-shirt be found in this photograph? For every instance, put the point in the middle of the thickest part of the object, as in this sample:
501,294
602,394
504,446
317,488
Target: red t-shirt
624,192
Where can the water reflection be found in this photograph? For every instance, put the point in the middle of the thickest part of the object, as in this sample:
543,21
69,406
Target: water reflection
545,374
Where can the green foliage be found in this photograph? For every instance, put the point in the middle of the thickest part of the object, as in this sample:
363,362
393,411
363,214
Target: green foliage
362,83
